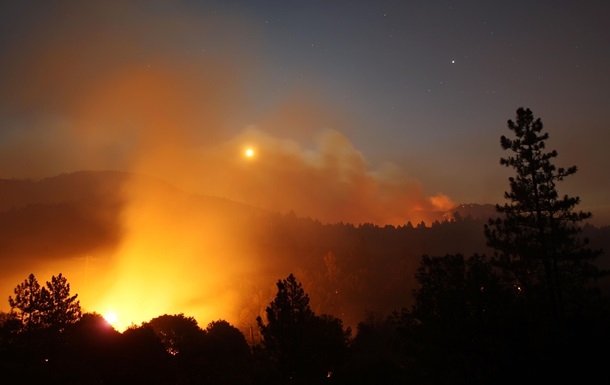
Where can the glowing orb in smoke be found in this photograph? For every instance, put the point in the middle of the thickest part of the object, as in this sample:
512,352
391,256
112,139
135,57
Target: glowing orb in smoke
249,153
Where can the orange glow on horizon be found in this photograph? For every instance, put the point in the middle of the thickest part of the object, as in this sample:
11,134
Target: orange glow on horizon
442,202
111,317
113,320
172,261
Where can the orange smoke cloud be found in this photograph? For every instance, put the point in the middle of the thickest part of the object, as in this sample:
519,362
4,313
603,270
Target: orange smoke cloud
330,182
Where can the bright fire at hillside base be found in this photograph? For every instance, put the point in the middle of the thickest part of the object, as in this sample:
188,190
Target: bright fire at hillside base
117,323
112,318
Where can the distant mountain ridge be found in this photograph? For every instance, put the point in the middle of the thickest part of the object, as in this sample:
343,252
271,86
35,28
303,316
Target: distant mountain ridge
16,193
81,186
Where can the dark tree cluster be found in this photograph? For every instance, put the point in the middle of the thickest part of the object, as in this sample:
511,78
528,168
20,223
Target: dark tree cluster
533,311
49,307
169,349
298,345
54,344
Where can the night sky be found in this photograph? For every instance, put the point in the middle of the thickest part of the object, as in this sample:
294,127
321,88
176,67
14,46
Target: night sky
397,100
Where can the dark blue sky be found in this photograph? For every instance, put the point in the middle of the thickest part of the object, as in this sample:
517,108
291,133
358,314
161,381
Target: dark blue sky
423,88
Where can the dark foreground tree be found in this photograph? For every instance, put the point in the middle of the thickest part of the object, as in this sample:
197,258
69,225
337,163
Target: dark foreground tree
181,335
89,353
39,307
143,359
456,329
288,315
36,331
60,309
227,358
226,342
217,355
537,237
555,323
27,303
302,347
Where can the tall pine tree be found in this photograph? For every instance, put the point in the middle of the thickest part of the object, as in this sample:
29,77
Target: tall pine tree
60,307
537,237
304,347
27,303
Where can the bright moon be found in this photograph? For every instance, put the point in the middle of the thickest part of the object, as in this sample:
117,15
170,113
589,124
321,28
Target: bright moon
249,153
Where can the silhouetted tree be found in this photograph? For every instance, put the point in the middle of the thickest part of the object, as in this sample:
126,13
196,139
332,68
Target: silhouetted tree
303,346
51,307
536,238
227,356
89,352
227,341
143,359
40,316
184,340
9,329
328,343
456,332
287,317
59,307
454,290
27,303
180,335
374,354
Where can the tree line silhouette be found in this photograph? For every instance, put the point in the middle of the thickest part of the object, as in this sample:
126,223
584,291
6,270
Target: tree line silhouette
533,309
